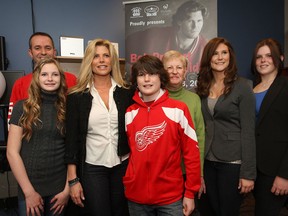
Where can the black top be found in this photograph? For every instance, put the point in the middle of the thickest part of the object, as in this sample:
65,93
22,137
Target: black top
43,154
272,130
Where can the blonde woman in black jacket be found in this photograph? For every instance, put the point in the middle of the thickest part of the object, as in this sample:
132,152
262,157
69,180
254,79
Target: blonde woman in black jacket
96,145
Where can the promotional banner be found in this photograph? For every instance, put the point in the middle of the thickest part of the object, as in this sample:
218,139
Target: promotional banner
155,27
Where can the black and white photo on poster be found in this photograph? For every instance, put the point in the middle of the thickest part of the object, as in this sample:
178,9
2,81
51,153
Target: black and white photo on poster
155,27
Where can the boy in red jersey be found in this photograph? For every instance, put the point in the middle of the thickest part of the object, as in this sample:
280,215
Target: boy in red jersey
160,130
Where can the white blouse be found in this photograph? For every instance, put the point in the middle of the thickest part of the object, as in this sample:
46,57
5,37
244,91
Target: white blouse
102,135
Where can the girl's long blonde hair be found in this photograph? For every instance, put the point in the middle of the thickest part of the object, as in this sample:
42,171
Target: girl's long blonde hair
86,74
32,106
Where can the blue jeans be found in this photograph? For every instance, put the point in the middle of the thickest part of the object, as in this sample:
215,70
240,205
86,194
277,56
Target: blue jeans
104,190
47,206
173,209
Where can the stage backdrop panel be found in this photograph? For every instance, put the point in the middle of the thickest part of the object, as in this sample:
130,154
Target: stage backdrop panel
155,27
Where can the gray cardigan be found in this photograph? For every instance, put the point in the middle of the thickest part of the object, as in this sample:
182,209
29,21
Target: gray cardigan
230,131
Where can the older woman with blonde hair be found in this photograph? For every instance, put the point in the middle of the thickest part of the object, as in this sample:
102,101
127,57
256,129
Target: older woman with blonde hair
176,64
96,143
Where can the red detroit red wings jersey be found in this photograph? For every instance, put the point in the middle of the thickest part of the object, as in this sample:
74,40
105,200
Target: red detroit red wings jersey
158,135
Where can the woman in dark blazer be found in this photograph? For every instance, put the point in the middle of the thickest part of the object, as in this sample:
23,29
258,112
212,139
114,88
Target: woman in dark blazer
97,148
271,91
228,107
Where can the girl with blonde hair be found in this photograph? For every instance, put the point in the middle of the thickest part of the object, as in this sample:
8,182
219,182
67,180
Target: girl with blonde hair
36,146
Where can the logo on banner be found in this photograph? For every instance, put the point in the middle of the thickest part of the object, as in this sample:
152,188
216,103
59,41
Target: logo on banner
151,10
136,12
165,7
165,10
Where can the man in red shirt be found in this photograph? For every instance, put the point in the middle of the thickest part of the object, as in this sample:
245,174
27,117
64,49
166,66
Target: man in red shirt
41,46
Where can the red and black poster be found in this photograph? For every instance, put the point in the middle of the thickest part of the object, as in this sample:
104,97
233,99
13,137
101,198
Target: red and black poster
154,27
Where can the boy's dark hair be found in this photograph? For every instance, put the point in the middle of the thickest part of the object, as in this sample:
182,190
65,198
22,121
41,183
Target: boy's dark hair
149,64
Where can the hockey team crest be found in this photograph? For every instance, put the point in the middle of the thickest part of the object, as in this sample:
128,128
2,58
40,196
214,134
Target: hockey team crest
148,135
